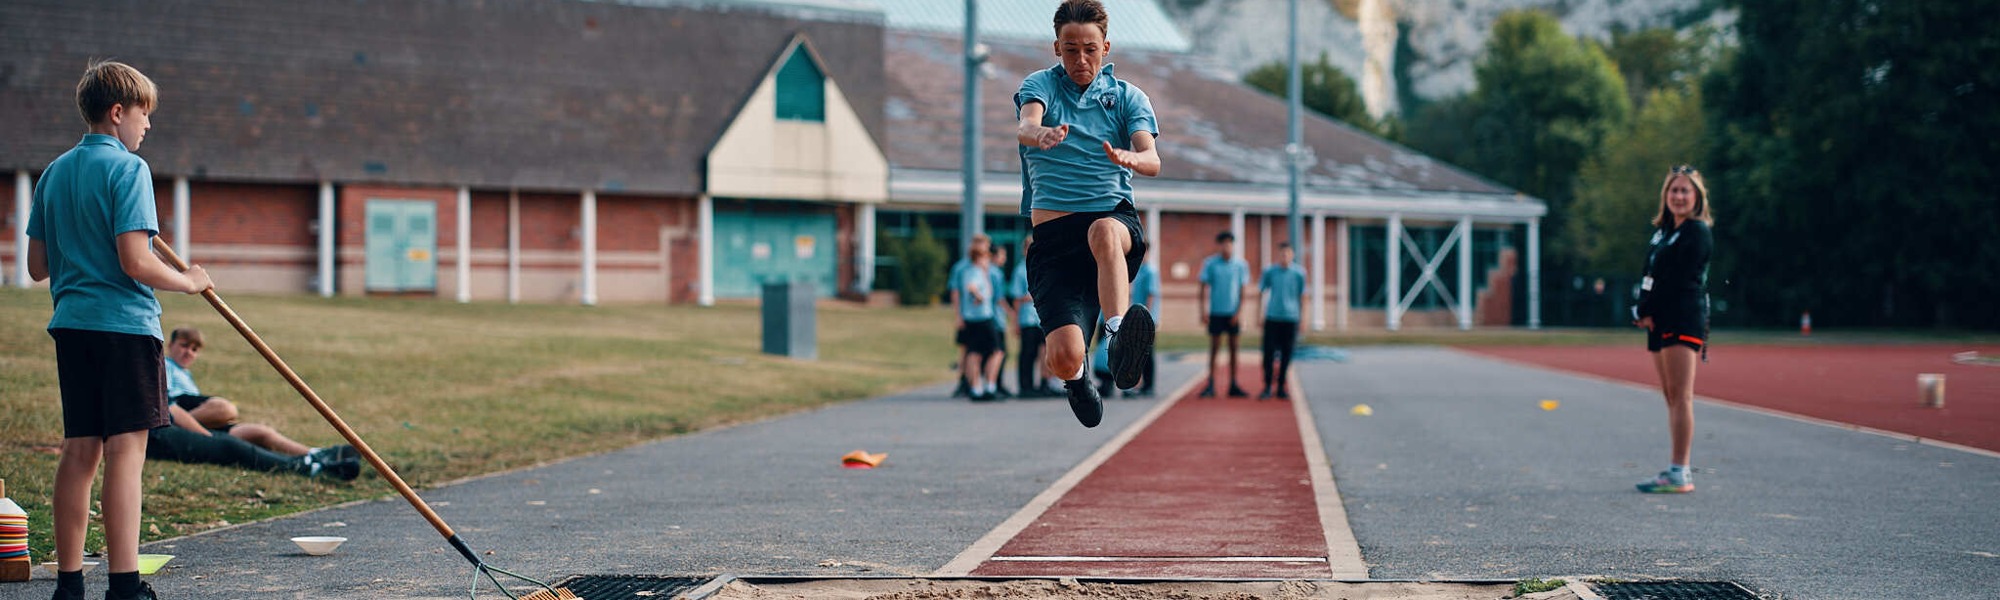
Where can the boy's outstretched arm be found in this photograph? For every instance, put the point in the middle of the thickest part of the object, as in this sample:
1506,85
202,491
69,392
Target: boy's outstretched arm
1142,158
1030,131
135,256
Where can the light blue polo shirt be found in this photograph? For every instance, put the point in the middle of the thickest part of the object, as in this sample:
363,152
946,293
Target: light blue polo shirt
1282,285
85,198
1026,309
1076,176
1225,279
969,308
998,274
179,381
1146,288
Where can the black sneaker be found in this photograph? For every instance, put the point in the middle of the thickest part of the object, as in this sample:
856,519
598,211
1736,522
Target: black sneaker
1208,391
1237,392
1284,395
1084,401
1132,347
145,593
62,594
1264,394
333,454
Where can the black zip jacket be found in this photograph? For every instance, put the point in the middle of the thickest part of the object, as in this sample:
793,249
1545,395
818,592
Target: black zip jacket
1676,277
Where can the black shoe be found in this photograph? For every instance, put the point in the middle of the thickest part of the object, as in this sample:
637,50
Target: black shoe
1284,395
1142,393
1237,392
145,593
1084,401
1208,391
1264,394
1002,393
62,594
334,454
1046,391
1132,347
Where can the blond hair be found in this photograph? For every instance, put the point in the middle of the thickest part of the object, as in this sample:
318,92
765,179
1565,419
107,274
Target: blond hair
107,83
1701,212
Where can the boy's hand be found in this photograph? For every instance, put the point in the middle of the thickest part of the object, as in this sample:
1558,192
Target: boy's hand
1123,158
198,279
1204,318
1048,137
1644,323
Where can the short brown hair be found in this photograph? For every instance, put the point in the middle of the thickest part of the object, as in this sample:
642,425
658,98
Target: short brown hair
108,83
1701,209
978,253
192,335
1083,11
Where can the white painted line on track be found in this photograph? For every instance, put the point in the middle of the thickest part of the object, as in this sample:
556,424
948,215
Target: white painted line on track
1896,435
984,549
1343,552
1212,559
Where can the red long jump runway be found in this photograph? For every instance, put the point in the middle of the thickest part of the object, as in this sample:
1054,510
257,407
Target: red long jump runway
1213,487
1868,386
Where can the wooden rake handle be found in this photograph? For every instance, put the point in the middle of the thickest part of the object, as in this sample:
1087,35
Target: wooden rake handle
317,404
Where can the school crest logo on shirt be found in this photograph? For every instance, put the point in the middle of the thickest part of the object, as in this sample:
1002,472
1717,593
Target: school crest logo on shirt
1108,101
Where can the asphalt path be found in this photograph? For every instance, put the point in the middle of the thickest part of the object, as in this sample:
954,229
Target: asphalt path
766,498
1459,473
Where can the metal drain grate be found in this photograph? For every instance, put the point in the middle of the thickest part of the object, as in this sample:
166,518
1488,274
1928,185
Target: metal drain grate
1673,590
630,587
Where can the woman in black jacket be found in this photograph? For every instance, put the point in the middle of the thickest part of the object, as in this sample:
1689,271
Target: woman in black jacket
1673,309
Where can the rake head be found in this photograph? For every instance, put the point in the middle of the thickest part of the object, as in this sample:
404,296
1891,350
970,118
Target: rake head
492,573
557,594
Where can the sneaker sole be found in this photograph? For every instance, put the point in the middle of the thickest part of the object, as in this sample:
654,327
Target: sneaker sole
1129,359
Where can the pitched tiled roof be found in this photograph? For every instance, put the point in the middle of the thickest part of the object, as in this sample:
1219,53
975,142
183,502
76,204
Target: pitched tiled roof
541,94
1213,128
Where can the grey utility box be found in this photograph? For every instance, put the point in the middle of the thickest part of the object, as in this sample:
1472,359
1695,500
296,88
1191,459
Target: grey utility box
789,325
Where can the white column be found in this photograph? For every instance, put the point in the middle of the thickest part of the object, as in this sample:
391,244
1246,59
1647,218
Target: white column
1152,236
1465,273
24,194
1534,273
181,219
327,250
590,247
1319,266
705,256
1395,272
513,246
464,244
864,259
1342,292
1236,229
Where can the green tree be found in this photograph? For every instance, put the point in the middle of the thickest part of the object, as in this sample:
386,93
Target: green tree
920,266
1656,58
1618,190
1856,139
1324,88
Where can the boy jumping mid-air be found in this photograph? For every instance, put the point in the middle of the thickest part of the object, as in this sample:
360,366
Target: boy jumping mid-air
1083,133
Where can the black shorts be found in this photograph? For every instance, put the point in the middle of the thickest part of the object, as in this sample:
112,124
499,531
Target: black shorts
1681,323
112,383
1062,272
1221,324
1658,339
189,402
982,337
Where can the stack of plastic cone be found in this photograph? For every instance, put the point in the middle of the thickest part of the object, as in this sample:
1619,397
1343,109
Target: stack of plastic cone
861,459
13,539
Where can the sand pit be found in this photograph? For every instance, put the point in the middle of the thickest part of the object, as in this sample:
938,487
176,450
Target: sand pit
1069,589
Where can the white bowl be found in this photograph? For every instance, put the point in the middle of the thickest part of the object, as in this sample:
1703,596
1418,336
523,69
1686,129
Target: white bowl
318,545
87,566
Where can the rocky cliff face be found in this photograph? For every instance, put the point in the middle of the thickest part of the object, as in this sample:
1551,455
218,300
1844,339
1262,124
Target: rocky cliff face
1445,37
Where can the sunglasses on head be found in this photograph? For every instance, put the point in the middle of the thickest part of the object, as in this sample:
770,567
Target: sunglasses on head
1682,170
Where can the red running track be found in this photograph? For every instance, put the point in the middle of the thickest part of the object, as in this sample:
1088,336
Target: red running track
1210,480
1869,386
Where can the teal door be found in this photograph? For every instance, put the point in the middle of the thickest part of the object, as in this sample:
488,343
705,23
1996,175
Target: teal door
402,246
769,242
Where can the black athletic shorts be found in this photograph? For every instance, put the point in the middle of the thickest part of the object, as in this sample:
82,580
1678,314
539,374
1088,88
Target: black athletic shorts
112,383
189,402
1225,325
1062,273
981,337
1682,323
1280,335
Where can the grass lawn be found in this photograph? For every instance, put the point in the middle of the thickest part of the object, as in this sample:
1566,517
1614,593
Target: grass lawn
445,391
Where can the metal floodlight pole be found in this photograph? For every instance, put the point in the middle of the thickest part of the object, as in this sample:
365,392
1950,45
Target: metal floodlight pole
970,222
1295,151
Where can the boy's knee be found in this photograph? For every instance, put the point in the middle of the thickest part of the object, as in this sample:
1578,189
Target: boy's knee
1106,232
